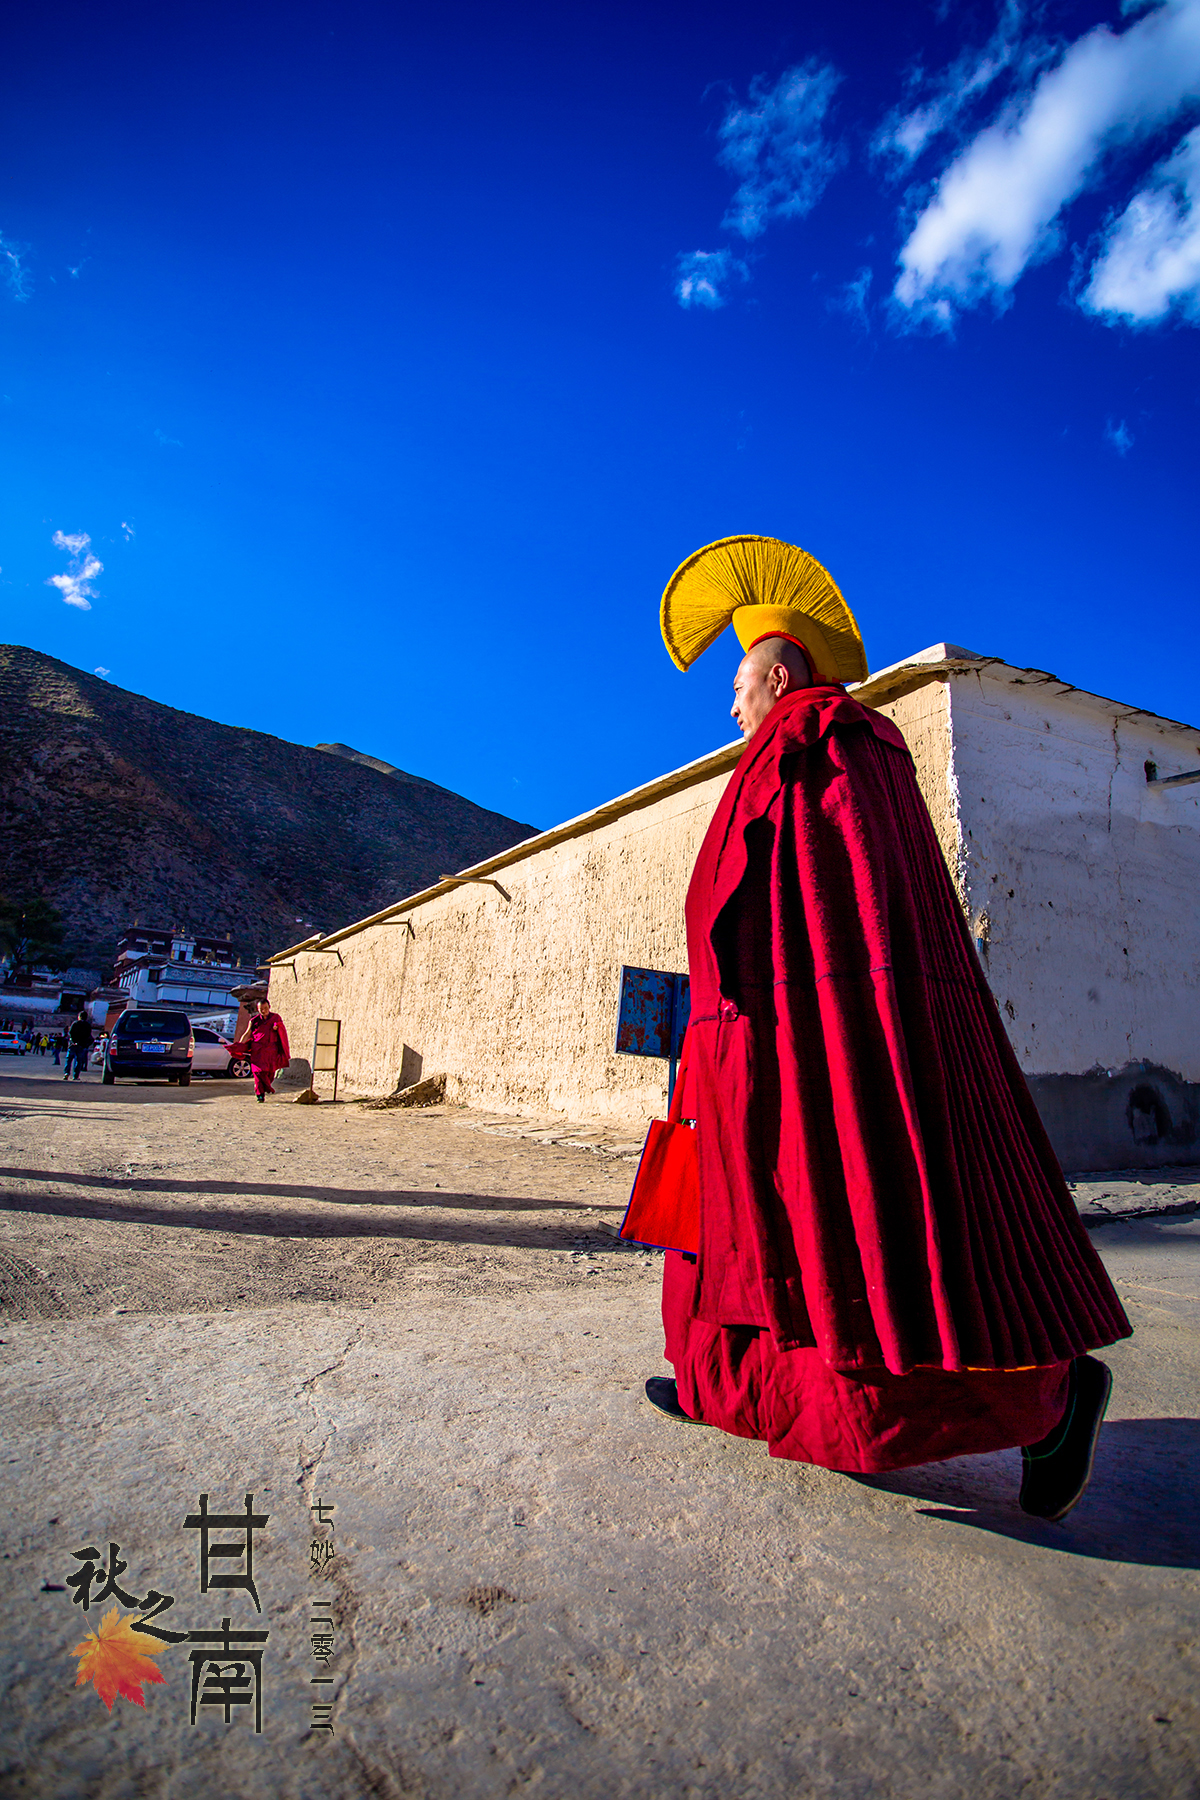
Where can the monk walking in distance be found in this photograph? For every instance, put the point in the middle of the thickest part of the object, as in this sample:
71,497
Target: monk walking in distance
890,1267
266,1043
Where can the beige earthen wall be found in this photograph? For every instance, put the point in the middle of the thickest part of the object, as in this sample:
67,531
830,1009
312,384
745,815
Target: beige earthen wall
513,995
514,998
923,718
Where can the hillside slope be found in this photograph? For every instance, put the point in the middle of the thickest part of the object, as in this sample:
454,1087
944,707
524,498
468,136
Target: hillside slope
117,808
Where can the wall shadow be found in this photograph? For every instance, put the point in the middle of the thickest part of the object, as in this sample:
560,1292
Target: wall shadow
1140,1507
408,1214
126,1091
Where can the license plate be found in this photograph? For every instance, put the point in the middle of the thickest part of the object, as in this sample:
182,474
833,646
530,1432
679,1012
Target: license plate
155,1049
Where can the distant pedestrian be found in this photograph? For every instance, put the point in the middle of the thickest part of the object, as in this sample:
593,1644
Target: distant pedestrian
56,1044
267,1047
79,1042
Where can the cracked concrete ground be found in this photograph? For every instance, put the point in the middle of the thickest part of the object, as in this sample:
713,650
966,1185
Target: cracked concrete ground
537,1584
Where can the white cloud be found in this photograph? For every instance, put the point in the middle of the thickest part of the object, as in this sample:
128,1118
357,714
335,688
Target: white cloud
75,542
853,299
76,586
777,146
1119,436
995,208
906,132
175,443
12,264
702,276
105,672
1151,257
130,533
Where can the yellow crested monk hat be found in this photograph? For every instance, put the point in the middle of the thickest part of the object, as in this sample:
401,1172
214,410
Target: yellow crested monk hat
763,588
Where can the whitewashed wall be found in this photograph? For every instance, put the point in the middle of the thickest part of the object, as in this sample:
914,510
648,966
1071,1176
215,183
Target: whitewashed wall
1082,884
1083,881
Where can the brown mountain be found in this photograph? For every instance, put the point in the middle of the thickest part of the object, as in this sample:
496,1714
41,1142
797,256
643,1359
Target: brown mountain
116,808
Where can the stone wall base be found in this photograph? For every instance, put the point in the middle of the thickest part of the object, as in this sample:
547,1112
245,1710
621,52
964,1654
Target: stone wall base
1141,1116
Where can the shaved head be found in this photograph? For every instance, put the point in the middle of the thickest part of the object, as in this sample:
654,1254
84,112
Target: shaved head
781,650
766,673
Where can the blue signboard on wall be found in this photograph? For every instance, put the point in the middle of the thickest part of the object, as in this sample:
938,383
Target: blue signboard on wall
653,1014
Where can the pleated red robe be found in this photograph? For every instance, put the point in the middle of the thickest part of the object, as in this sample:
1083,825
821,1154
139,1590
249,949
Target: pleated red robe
891,1268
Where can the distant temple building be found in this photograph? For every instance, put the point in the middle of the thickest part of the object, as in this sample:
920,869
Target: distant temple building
206,977
1070,824
200,975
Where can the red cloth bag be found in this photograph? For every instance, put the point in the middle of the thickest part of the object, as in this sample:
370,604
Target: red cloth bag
664,1207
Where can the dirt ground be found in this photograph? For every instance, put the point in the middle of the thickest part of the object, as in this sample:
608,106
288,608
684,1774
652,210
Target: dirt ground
233,1204
540,1585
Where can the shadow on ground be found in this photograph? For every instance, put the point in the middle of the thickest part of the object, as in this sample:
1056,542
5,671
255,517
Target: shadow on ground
130,1091
420,1206
1140,1508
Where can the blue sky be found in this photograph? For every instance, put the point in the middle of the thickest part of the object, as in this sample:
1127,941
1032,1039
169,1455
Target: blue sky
389,358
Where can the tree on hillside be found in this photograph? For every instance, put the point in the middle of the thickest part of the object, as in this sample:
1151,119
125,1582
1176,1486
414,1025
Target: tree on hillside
31,935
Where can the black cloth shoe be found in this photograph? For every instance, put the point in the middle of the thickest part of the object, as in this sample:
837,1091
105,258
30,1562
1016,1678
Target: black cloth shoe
1056,1471
662,1392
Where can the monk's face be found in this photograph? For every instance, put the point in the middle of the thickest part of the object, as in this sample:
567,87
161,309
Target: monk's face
264,1007
760,682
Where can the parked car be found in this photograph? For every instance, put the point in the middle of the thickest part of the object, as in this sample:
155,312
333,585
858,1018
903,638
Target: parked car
215,1055
148,1042
12,1041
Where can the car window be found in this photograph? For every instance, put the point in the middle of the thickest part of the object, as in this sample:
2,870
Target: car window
146,1022
203,1036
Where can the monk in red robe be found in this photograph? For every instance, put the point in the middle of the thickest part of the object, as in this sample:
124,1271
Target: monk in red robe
890,1267
266,1044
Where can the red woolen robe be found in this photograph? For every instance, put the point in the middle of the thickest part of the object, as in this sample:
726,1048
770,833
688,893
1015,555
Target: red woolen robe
267,1044
891,1268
